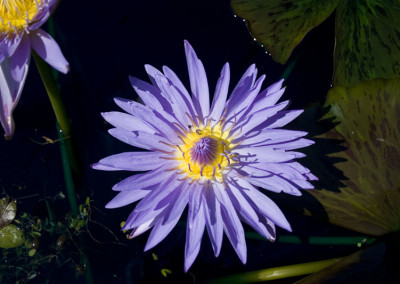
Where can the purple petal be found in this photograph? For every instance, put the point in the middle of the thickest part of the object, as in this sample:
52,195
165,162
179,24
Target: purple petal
154,203
212,212
20,60
149,94
161,122
245,101
282,118
142,139
248,213
264,154
243,85
169,218
171,76
233,228
290,145
268,136
47,48
9,43
128,196
144,180
195,225
256,121
266,101
198,82
179,107
126,121
131,161
221,93
10,93
142,228
264,205
269,181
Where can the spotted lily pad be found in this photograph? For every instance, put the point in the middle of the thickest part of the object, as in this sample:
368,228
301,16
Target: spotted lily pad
7,211
368,117
367,33
282,24
367,41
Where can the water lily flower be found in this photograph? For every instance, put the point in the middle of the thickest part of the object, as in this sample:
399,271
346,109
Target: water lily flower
211,158
20,22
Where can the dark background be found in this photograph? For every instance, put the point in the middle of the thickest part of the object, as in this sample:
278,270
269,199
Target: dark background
105,43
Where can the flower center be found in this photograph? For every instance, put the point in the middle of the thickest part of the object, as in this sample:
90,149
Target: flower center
205,152
15,15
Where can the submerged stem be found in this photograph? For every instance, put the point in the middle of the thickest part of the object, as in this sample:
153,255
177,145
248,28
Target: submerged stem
277,272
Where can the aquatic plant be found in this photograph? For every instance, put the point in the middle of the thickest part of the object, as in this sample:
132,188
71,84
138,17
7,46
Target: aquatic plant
20,32
211,158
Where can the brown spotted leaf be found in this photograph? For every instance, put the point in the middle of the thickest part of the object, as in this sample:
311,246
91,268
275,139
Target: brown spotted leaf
7,211
369,124
282,24
367,41
367,33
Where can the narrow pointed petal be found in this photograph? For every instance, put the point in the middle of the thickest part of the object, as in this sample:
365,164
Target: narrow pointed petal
264,154
198,82
180,87
47,48
247,212
195,225
221,93
126,121
264,204
127,197
20,60
243,85
143,180
9,43
212,212
10,93
169,218
131,161
233,227
149,94
142,139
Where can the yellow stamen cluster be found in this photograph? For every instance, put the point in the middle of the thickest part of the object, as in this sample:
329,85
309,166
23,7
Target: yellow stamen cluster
15,15
216,157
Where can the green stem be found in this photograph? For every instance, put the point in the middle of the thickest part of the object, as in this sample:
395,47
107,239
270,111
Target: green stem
69,184
277,272
54,94
357,240
290,66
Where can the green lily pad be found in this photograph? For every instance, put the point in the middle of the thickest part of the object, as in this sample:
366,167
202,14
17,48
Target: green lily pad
367,33
281,24
368,117
7,211
11,236
367,41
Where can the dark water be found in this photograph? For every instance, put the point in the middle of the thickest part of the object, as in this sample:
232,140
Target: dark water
104,43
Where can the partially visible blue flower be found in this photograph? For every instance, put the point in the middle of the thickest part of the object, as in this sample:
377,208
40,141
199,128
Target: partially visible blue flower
20,22
212,159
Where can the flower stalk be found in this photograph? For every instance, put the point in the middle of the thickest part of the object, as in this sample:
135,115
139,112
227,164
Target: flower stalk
54,95
280,272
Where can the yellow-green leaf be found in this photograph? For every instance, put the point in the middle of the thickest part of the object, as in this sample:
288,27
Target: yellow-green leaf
282,24
11,236
367,41
369,126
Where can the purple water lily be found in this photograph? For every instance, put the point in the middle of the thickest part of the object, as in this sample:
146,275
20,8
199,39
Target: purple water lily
212,159
20,22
